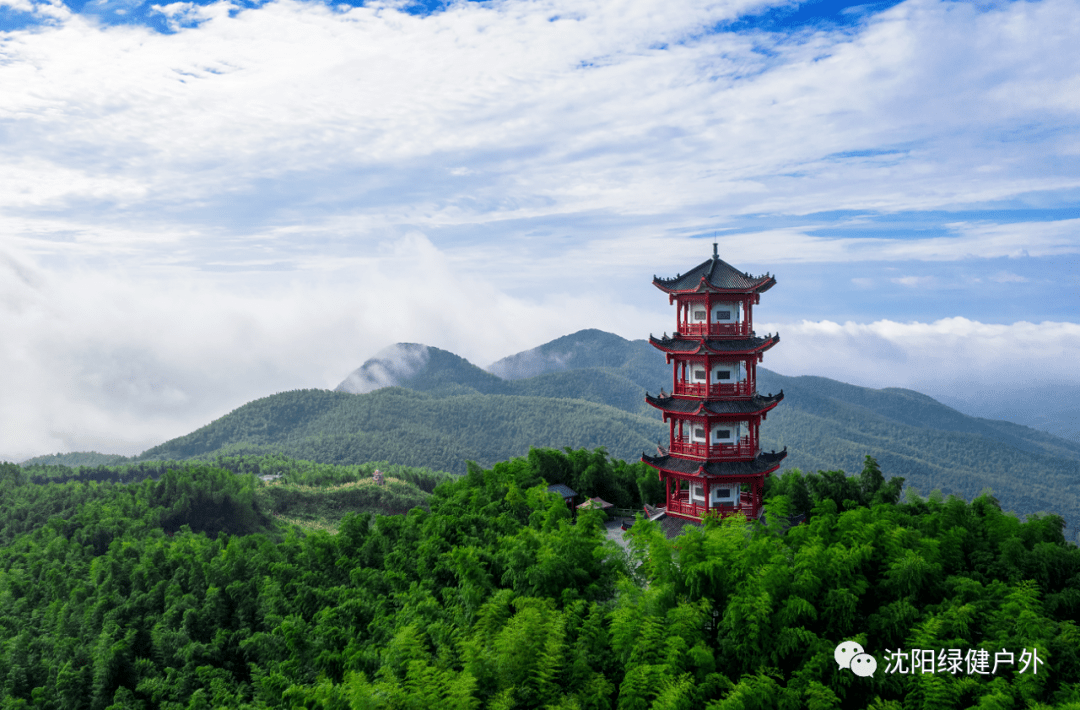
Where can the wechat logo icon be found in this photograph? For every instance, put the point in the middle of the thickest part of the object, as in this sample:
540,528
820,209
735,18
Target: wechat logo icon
850,655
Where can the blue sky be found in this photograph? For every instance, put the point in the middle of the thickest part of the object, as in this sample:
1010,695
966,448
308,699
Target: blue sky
204,203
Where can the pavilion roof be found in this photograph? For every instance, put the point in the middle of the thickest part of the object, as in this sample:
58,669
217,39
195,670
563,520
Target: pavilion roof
563,490
753,405
764,463
695,346
715,274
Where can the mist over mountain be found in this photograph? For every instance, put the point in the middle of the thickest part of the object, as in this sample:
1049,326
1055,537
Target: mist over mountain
591,348
1053,408
417,405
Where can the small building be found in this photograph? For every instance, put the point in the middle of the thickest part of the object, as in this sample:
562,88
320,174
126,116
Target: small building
378,477
714,411
595,504
568,494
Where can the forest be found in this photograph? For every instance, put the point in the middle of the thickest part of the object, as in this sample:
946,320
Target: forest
180,589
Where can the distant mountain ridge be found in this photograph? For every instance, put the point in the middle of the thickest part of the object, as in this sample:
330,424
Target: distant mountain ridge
423,368
590,348
422,406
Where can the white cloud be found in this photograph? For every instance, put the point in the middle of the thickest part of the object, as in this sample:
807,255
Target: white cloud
387,368
181,14
1007,277
645,246
915,281
117,360
921,108
950,357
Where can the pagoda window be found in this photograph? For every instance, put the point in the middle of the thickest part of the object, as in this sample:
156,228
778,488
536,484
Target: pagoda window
697,492
730,496
699,433
699,315
725,312
728,371
699,375
725,435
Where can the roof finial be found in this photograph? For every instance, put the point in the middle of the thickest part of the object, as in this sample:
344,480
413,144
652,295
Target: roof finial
714,254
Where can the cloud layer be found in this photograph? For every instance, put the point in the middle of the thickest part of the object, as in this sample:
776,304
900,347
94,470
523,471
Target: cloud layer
264,198
511,110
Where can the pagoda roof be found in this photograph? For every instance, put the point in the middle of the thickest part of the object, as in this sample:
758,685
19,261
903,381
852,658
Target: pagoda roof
715,274
764,463
692,346
754,405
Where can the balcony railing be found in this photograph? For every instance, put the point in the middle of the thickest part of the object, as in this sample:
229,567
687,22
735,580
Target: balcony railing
740,328
700,389
682,504
691,448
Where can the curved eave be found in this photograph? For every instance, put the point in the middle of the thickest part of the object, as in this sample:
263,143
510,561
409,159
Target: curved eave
765,463
715,276
704,346
695,407
703,286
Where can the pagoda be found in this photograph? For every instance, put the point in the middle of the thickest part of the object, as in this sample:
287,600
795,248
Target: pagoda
714,463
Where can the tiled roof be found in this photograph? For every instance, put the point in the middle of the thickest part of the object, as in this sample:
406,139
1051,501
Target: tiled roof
672,527
757,403
692,345
564,491
765,461
718,274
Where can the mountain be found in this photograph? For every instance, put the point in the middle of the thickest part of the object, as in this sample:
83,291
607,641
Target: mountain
1050,407
587,390
75,459
413,428
422,368
635,360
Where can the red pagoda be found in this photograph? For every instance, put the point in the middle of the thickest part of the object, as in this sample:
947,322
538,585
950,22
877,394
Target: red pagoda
714,463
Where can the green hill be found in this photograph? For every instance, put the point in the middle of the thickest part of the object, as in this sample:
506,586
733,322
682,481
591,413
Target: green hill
587,390
75,458
634,360
413,428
